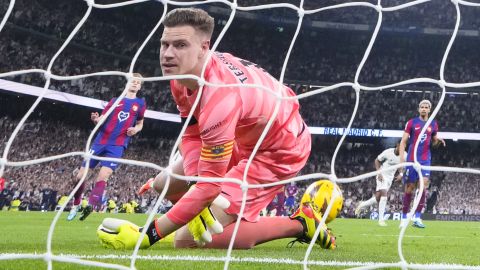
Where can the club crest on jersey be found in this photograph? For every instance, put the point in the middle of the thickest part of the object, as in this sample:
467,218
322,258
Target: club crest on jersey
134,108
122,116
217,151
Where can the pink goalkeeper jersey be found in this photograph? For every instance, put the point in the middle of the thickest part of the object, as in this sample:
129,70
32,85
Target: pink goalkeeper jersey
233,118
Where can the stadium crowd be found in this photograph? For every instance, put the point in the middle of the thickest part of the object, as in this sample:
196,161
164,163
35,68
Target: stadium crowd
41,138
393,59
379,109
35,31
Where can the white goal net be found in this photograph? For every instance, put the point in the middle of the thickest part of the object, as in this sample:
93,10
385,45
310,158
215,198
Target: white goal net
356,87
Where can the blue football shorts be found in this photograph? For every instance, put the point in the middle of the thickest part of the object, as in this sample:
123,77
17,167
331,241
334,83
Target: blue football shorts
103,150
411,175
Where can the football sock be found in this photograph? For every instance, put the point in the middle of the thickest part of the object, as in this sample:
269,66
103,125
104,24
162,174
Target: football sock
77,197
368,203
97,193
407,198
381,207
421,204
251,234
153,232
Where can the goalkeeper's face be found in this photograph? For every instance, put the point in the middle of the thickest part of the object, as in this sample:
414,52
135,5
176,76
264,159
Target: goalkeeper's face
182,50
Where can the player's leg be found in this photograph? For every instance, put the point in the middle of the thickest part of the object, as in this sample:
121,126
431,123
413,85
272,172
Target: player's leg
365,205
96,195
106,170
264,230
407,199
417,221
249,234
382,203
381,194
301,225
410,180
281,203
370,202
77,197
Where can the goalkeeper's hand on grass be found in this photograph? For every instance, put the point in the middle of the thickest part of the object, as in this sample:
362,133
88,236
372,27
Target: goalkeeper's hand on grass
205,224
120,234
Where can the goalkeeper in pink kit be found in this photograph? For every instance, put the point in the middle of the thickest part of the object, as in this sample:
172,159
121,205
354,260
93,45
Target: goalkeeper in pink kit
219,139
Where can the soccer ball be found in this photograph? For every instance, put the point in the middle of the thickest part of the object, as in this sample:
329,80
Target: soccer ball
319,194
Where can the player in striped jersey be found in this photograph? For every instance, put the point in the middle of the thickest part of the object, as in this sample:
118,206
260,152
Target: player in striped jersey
423,156
113,137
219,140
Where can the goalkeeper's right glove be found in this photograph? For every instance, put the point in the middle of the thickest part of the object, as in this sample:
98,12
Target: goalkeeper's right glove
120,234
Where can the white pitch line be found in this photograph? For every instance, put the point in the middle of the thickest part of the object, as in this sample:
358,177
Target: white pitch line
247,259
414,236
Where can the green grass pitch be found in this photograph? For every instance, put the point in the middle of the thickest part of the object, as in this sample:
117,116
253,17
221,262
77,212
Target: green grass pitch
358,241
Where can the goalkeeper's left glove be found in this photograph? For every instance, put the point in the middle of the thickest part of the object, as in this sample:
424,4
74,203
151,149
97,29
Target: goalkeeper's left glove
205,224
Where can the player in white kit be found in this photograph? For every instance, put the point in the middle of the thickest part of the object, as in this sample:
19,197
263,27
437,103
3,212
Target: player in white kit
386,159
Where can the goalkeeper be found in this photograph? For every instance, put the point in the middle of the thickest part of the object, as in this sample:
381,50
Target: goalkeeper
219,139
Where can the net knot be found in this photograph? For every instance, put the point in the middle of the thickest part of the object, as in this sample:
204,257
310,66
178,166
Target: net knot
3,161
301,13
455,2
244,187
441,83
87,155
168,171
47,74
233,6
356,87
201,82
90,2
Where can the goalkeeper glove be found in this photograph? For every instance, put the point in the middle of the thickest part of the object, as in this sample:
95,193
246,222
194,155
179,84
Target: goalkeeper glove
205,224
120,234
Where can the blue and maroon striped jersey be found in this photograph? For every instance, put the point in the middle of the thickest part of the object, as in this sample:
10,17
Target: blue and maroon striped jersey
413,127
125,115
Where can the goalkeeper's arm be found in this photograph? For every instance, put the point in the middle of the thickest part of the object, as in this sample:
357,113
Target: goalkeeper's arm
203,225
